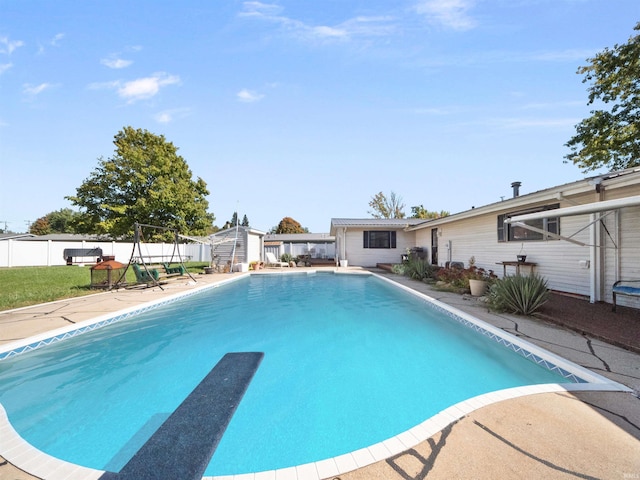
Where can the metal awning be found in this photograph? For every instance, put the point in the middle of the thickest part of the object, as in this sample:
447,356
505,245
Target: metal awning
588,208
578,209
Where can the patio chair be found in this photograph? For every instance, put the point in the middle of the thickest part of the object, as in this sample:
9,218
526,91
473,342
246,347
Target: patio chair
273,262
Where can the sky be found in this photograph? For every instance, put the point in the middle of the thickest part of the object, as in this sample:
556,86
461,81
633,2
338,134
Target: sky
305,108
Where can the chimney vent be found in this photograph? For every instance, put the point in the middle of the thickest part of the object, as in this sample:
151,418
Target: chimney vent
516,188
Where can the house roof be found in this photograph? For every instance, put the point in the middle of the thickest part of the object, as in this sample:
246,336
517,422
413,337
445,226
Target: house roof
299,237
68,237
15,236
395,223
232,231
557,193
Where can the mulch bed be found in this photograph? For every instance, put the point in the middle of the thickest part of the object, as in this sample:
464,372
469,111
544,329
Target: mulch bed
621,328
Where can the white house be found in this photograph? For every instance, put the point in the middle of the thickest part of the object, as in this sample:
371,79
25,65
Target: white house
367,242
581,236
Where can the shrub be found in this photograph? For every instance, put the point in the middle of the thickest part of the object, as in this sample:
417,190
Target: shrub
398,269
459,277
418,269
519,294
286,257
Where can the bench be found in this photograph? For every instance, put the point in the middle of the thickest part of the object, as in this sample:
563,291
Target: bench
622,287
70,253
156,273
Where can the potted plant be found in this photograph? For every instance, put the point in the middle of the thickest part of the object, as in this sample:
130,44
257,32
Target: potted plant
478,278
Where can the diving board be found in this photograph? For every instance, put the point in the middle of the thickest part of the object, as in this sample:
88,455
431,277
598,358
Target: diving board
184,444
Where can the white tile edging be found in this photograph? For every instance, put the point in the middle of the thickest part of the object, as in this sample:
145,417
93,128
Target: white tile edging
34,342
487,329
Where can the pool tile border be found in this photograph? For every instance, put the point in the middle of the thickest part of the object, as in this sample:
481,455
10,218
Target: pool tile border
20,453
19,347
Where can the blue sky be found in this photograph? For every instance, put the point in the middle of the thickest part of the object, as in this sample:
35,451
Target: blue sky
301,108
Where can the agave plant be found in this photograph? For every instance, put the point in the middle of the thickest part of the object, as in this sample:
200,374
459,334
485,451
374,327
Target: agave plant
519,294
418,269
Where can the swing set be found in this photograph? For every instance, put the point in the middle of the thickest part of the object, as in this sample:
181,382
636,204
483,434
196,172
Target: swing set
155,270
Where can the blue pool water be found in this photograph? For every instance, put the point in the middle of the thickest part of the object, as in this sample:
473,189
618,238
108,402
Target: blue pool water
349,361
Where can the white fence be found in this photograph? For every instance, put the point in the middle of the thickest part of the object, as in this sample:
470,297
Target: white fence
32,253
321,250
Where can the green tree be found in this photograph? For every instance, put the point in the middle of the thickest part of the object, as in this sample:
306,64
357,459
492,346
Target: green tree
289,225
61,221
610,137
245,221
421,212
383,207
40,227
145,181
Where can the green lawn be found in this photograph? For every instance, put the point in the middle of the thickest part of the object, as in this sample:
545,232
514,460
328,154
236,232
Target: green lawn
23,286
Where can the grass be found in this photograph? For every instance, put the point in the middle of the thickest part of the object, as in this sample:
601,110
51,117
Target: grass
24,286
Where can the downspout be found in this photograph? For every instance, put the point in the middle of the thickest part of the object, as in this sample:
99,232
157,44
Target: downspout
596,251
594,260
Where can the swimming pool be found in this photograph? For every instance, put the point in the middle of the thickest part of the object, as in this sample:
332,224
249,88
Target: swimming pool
322,358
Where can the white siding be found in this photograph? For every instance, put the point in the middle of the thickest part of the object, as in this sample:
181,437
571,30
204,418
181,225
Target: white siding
254,248
627,264
359,256
557,261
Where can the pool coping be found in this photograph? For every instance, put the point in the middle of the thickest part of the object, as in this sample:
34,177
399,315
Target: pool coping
23,455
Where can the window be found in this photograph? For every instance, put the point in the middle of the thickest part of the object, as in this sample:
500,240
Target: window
379,239
516,233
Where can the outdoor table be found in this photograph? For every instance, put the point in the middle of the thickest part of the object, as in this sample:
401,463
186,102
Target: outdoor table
516,264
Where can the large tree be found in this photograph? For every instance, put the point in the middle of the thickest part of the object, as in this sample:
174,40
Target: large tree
610,137
383,207
59,221
420,212
289,225
145,181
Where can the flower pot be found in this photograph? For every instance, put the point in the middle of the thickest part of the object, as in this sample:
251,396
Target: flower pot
478,287
522,258
344,263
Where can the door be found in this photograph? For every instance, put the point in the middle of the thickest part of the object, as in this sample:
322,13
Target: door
434,246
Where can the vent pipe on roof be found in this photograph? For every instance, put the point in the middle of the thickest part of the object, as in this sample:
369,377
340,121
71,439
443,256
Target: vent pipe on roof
516,188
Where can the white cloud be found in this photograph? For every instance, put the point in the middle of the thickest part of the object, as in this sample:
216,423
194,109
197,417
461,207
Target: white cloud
259,9
355,27
104,85
146,87
163,117
519,123
7,46
168,116
4,67
139,89
54,41
116,63
248,96
34,90
448,13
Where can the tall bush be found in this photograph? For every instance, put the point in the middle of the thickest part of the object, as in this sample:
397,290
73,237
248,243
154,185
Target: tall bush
418,269
519,294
